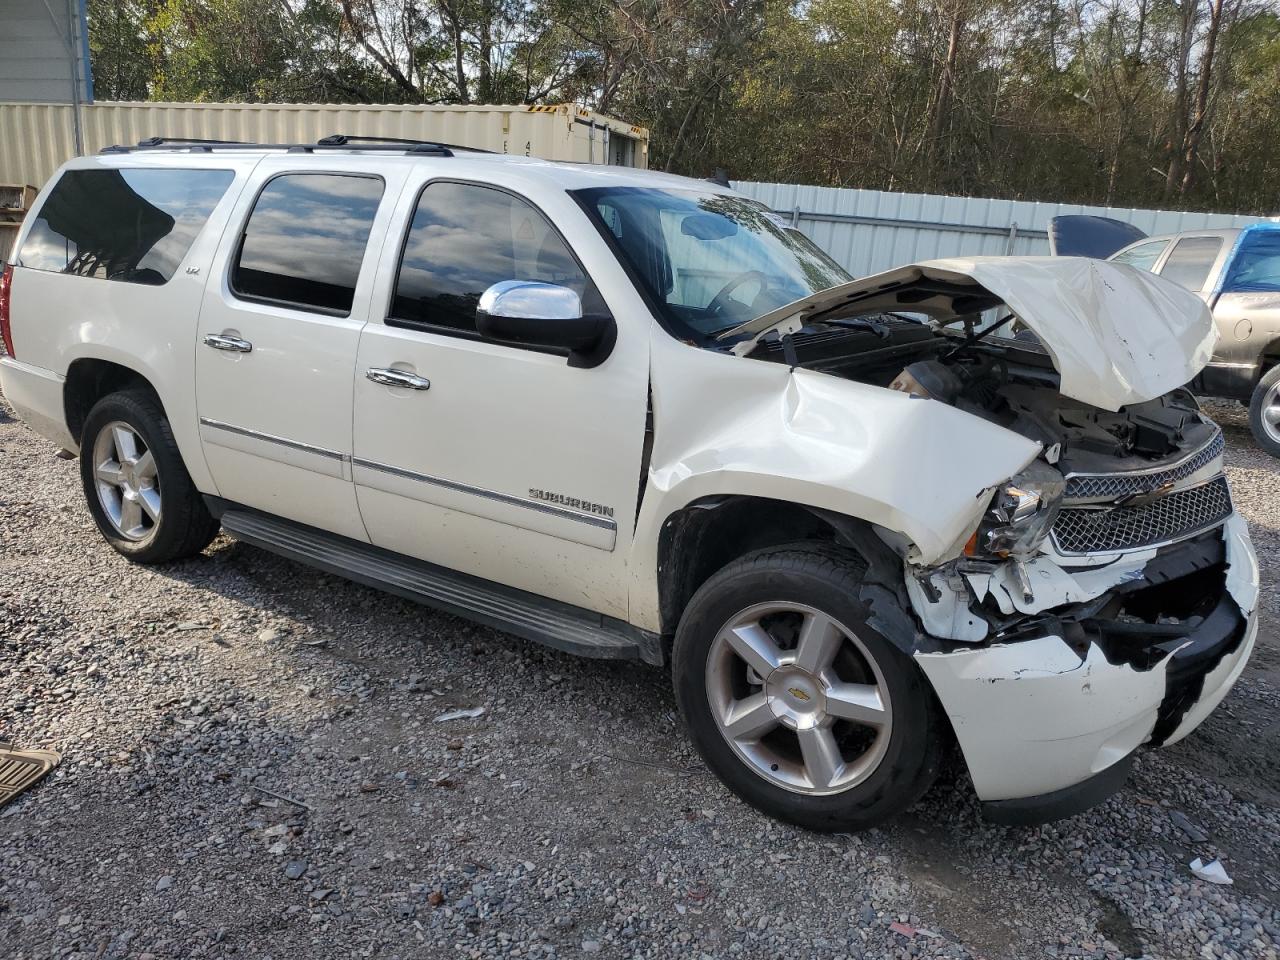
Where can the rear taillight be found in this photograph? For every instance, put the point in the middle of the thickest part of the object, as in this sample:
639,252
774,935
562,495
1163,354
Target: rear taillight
6,285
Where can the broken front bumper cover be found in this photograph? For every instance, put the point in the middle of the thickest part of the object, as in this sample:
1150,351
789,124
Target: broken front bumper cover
1048,722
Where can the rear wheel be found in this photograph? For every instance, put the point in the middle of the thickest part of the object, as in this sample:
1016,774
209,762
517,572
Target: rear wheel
136,484
795,701
1264,412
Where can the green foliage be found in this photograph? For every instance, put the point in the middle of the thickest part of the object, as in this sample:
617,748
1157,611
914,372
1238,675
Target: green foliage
1141,102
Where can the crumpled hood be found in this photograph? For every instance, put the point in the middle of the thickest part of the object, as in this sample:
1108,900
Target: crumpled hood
1116,335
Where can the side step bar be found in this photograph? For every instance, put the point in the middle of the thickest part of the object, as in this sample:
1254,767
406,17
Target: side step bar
527,615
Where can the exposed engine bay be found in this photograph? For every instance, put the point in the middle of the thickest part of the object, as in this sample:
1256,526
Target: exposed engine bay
1010,381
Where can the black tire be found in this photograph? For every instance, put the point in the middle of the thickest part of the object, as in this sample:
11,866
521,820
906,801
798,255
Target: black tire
185,526
1264,395
827,579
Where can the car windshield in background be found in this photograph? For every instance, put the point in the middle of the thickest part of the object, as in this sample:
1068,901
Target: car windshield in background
710,260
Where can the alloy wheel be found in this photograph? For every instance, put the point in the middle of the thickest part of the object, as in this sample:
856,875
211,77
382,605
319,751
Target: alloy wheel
1271,412
126,480
799,698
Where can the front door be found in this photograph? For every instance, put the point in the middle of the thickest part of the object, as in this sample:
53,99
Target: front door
277,341
495,460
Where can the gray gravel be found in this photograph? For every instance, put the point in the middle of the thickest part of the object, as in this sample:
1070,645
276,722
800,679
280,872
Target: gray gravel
253,767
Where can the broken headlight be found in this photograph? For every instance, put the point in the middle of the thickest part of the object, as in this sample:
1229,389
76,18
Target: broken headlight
1021,513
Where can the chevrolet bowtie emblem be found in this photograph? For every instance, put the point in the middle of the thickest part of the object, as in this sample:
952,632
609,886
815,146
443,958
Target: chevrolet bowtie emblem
798,694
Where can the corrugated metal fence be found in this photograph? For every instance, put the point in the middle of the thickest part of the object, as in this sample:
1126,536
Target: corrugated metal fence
867,231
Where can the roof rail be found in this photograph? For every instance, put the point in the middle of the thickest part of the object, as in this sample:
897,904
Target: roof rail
335,141
347,139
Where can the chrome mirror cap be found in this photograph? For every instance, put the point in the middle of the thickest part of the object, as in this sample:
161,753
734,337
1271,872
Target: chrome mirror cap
531,300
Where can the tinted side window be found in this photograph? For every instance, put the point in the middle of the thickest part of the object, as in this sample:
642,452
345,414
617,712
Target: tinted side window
1191,260
305,240
1143,256
134,225
465,238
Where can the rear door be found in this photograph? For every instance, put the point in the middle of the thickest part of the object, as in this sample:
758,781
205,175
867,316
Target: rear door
491,459
278,335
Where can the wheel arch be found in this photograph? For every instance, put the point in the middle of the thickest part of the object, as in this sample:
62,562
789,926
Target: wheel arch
711,532
89,379
1268,356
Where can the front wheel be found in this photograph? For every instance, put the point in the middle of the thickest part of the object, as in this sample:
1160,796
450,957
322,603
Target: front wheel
1264,412
136,484
795,701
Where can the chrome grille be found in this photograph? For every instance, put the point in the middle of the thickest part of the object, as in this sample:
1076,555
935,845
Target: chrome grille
1080,530
1113,486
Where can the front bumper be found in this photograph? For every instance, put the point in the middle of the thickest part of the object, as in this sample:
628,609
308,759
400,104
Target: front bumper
1042,718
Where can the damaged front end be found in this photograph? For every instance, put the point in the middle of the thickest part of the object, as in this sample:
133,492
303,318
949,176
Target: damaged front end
1105,600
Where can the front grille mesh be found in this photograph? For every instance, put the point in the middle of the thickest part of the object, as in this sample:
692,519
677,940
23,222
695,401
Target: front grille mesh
1112,486
1170,517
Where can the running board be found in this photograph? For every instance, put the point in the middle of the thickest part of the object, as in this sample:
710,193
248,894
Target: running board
527,615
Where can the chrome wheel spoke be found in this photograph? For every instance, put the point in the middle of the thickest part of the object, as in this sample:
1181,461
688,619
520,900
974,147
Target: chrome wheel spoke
149,500
130,515
145,468
822,760
820,638
859,702
108,472
750,718
753,644
1272,414
126,443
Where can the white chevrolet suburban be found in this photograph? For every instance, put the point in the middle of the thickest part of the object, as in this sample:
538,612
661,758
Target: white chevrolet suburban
638,416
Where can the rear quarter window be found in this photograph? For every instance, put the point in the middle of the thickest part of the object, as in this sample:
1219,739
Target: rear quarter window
130,225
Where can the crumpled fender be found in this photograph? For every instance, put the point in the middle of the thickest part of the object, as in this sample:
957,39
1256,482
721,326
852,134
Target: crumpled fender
917,467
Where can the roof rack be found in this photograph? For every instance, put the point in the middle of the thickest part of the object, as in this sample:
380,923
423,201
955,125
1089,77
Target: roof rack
335,141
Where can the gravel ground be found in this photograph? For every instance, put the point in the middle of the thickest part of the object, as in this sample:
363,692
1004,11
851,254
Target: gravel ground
255,765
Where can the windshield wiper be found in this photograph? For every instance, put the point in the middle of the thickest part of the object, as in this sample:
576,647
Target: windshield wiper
878,327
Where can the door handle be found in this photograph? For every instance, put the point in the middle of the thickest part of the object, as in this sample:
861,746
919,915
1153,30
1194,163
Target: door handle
220,341
397,378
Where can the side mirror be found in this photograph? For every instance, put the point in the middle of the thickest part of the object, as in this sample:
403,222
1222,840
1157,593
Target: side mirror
547,315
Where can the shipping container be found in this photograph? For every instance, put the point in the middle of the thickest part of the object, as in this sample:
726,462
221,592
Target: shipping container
35,138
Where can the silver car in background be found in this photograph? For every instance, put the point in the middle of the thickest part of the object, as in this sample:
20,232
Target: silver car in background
1237,272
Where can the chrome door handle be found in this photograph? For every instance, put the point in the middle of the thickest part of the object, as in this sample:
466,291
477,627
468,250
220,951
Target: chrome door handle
231,344
397,378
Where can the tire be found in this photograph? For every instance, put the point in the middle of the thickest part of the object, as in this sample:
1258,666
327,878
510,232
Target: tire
154,513
773,589
1264,404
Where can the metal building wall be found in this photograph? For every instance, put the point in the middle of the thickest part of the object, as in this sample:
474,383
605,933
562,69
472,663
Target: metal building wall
42,46
35,139
868,231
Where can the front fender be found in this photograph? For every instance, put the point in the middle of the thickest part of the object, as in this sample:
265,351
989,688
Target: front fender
728,425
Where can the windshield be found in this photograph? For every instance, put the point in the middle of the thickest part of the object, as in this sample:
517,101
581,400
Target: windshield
710,260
